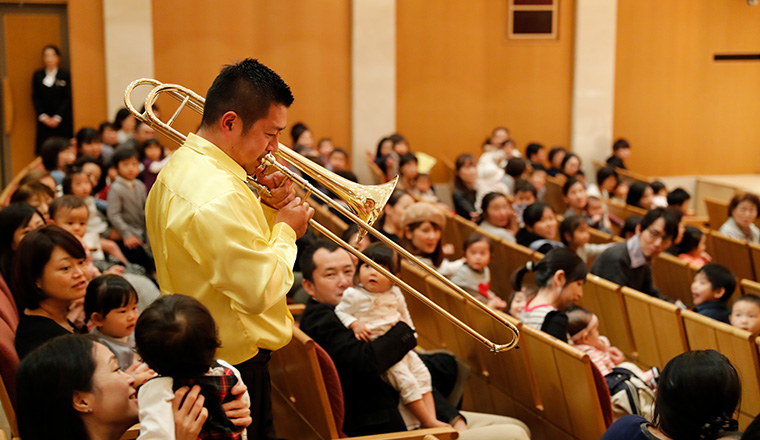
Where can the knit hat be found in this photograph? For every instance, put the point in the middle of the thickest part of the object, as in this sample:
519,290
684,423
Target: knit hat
423,212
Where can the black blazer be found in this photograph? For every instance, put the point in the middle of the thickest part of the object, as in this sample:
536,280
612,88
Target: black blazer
53,101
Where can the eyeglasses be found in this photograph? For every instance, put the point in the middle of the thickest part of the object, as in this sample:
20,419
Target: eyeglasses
657,234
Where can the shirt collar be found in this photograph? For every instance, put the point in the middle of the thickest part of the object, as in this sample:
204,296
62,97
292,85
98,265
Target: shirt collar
634,251
206,148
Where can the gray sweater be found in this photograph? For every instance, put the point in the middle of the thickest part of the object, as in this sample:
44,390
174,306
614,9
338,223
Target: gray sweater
126,208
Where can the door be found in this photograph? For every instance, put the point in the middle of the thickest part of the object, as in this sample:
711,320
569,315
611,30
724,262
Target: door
24,30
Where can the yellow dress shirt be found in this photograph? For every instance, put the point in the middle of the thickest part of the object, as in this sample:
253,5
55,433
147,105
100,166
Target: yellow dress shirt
214,240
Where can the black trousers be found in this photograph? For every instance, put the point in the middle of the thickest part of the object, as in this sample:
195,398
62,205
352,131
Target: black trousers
255,374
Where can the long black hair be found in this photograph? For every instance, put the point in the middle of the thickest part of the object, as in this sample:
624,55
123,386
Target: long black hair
556,259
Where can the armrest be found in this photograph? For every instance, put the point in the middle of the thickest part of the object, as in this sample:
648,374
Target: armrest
296,309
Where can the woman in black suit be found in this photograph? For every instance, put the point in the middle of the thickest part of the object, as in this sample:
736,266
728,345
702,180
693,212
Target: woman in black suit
51,93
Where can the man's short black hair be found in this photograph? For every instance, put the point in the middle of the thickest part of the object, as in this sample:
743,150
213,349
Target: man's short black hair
248,88
719,277
307,262
620,144
678,197
671,222
532,149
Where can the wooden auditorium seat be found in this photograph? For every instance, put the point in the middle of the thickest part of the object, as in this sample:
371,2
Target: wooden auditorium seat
717,212
629,176
623,211
754,251
451,234
656,327
553,196
569,395
425,319
750,287
734,254
673,277
301,400
738,346
5,196
604,299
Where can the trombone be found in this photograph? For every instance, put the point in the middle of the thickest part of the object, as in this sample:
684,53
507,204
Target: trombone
366,201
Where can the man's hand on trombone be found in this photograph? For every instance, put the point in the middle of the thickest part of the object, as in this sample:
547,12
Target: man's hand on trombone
280,186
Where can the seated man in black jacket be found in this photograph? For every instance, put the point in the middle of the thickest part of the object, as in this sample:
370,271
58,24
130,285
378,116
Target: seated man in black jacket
629,263
372,405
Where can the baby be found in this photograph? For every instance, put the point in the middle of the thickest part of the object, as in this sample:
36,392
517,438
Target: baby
473,275
745,313
177,337
423,189
370,310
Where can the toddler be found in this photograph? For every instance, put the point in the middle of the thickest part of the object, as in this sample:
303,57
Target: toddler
337,160
36,194
660,198
574,234
713,285
597,215
154,160
745,313
525,194
177,337
423,189
692,247
370,310
473,275
583,327
519,299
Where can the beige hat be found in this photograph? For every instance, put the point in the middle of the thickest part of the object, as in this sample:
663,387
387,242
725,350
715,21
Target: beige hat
423,212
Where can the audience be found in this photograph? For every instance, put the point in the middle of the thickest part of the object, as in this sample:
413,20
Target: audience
679,199
301,135
153,161
498,218
692,247
621,150
390,223
571,165
641,195
57,153
536,154
473,275
540,230
660,195
556,158
464,195
423,189
711,289
409,172
575,197
36,194
573,231
422,227
742,213
124,123
745,313
525,194
606,181
16,221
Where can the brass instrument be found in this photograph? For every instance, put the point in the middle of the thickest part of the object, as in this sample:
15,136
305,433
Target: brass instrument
366,201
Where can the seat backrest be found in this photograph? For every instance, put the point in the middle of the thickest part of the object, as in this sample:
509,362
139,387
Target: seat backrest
603,297
717,212
451,235
553,196
656,327
750,287
754,251
568,392
737,345
300,398
733,254
672,276
506,258
425,319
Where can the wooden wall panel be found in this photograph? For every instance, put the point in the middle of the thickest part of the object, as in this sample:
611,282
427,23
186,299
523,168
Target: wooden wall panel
683,112
88,66
307,42
459,77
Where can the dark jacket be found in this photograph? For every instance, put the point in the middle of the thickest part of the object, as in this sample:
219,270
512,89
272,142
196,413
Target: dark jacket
535,242
34,331
717,310
615,161
464,203
52,101
614,265
371,404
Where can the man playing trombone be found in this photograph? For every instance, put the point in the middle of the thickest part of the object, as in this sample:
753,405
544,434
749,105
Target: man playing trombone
216,240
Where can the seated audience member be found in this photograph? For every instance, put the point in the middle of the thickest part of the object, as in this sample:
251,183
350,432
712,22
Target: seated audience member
473,275
693,247
338,160
536,154
556,157
143,133
697,398
621,150
177,337
94,171
408,172
606,181
510,149
126,208
560,276
49,275
390,223
57,153
518,299
491,173
745,313
514,170
109,138
538,180
153,161
301,135
575,197
629,263
16,220
499,136
677,214
525,194
641,195
621,192
423,224
464,195
571,165
324,148
399,148
75,382
88,143
384,156
124,123
423,189
371,404
630,224
711,289
660,198
39,175
498,218
742,213
36,194
679,199
597,215
540,230
372,308
573,231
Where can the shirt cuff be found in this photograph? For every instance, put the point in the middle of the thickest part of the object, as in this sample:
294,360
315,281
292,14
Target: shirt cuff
283,230
57,118
42,117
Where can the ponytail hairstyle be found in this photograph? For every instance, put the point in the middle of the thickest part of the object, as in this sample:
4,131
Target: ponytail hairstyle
556,259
